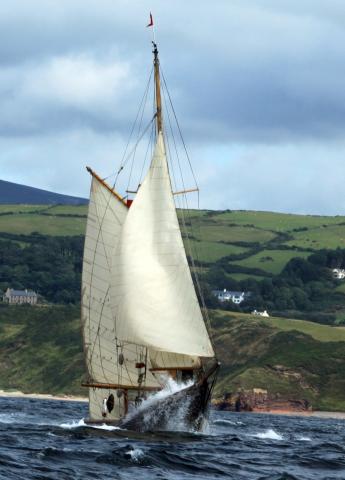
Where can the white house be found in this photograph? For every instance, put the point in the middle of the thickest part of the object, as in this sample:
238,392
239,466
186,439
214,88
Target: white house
230,296
338,273
261,314
16,297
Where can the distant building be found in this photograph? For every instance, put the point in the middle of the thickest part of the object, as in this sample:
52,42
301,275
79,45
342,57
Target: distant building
261,314
15,297
230,296
338,273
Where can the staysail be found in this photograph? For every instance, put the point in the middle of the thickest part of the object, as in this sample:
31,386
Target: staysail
153,295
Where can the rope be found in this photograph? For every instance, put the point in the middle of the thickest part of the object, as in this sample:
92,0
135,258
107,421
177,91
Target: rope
195,274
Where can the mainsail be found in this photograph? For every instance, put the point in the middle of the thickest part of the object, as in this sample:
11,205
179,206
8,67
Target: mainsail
155,303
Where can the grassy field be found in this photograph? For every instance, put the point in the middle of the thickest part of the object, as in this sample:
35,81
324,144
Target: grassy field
323,333
214,234
322,237
47,225
279,222
68,210
21,208
209,252
272,261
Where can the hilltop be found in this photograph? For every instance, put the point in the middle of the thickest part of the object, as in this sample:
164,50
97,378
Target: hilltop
14,193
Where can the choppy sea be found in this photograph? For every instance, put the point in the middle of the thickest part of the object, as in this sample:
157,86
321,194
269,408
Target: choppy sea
47,439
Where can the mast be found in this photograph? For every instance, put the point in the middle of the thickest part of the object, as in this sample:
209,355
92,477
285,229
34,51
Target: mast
159,121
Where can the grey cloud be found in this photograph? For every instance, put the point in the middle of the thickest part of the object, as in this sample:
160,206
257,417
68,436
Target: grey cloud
243,72
248,80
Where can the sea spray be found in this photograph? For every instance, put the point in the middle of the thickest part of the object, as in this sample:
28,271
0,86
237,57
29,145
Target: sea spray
163,409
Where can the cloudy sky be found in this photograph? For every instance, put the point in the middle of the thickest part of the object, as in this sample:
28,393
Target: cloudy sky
258,87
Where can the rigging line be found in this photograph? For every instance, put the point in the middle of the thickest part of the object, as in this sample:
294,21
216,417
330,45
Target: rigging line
129,376
179,129
139,128
171,164
98,336
146,153
135,146
134,124
183,185
195,274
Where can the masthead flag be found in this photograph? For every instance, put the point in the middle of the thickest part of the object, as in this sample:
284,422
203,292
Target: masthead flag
150,24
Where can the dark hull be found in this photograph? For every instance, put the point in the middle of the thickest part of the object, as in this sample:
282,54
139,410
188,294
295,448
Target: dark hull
186,410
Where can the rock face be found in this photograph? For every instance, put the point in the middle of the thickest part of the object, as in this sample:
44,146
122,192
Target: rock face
260,400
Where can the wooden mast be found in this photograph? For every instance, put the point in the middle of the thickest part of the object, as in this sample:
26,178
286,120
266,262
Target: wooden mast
159,121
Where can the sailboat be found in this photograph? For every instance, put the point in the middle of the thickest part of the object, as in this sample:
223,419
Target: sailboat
149,357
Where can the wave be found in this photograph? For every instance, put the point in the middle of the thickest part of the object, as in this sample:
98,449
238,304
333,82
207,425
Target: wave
269,434
73,424
81,423
225,422
136,455
304,439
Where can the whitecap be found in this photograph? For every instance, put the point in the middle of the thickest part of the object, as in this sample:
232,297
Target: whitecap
81,423
73,424
136,454
104,426
304,439
269,434
224,422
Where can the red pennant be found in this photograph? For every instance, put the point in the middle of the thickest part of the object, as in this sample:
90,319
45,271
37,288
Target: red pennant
151,21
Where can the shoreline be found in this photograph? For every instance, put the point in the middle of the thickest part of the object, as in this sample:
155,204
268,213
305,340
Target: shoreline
76,398
291,413
42,396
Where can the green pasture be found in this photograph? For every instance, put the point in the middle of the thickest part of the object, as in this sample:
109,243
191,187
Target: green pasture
332,237
21,208
272,261
68,210
323,333
243,276
216,233
44,224
210,251
281,222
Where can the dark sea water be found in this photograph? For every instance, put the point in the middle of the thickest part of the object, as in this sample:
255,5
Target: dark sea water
45,439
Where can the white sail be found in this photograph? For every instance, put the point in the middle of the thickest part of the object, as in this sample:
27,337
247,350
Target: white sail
103,348
153,296
105,218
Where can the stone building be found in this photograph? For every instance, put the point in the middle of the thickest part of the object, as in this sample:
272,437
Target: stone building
18,297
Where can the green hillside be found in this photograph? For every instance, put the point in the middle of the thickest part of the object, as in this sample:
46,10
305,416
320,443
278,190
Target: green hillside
214,234
40,351
294,358
237,250
278,257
